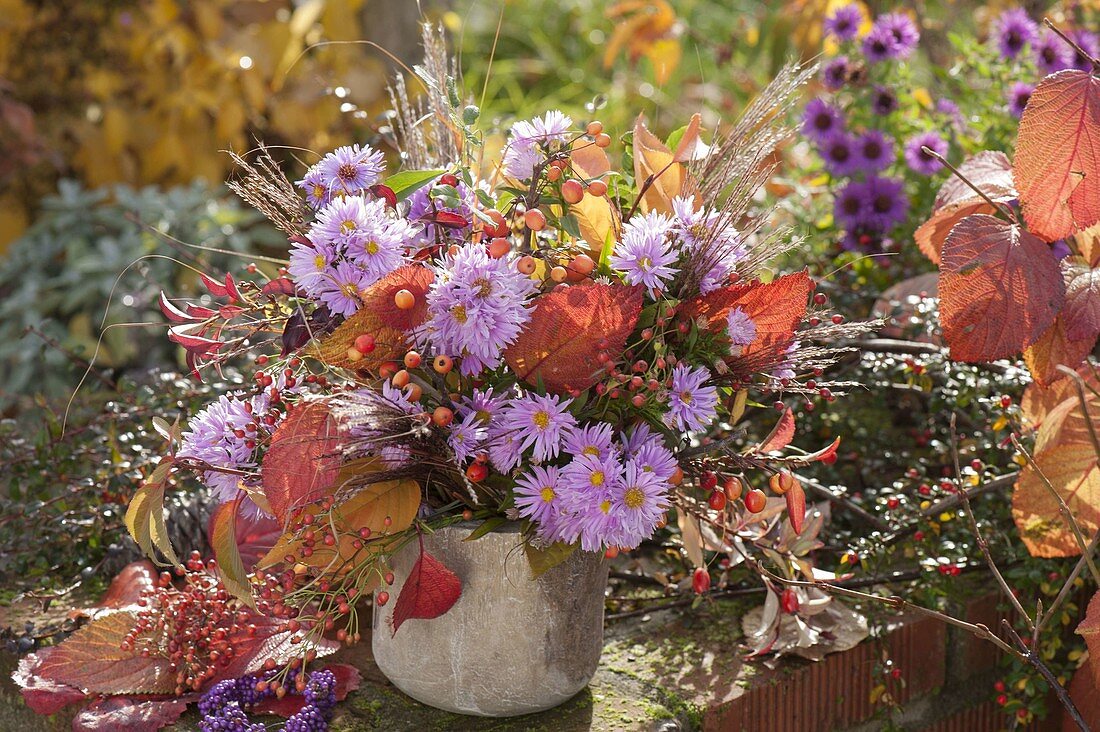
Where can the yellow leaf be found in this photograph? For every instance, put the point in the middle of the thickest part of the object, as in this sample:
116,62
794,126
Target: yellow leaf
223,539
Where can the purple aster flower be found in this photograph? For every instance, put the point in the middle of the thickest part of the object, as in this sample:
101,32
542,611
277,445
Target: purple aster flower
504,447
850,204
633,440
839,153
653,457
420,207
476,307
880,45
591,439
316,190
1014,30
691,404
584,476
885,203
1089,43
740,327
467,437
821,119
529,139
351,169
341,287
309,265
785,370
874,151
645,255
1052,53
904,31
843,24
835,73
1018,96
339,221
950,109
377,244
883,101
483,404
536,493
596,526
540,423
1060,249
711,244
920,161
639,501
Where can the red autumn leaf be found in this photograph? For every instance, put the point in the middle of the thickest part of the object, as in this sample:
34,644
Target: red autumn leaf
198,311
126,588
171,312
302,461
386,193
347,681
278,286
449,220
991,172
1089,629
1058,155
430,590
1082,310
825,454
231,287
43,695
1054,349
1084,691
560,345
214,287
1000,289
782,434
796,506
126,713
193,343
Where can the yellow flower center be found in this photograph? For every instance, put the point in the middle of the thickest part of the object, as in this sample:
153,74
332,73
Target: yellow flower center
348,226
541,419
597,478
372,247
605,506
634,498
458,312
319,261
350,290
319,192
485,287
591,450
547,494
685,397
645,262
483,415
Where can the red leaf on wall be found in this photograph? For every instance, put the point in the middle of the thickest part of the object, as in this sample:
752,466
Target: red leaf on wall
1058,155
1000,289
991,172
430,590
559,346
302,461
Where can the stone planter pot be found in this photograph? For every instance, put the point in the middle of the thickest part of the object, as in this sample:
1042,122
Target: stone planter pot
510,645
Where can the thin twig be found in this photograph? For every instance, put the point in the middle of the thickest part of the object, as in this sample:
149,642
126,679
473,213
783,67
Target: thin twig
997,206
1073,44
1064,592
1031,657
1083,402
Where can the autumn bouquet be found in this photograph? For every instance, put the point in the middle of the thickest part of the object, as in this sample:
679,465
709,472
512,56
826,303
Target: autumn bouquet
535,336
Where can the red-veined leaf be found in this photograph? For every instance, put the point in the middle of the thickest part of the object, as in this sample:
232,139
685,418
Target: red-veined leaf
1054,349
1058,155
127,713
1082,310
303,460
991,172
1072,469
782,434
796,506
429,591
278,286
560,344
43,695
1000,289
214,287
126,588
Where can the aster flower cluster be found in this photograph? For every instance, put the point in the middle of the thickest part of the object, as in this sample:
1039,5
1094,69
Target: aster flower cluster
530,141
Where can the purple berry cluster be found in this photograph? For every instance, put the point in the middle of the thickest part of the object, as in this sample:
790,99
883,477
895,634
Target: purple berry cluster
223,707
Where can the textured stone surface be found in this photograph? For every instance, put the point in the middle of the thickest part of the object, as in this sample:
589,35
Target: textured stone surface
510,645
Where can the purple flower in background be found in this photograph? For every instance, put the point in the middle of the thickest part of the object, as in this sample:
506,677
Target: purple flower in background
885,202
1018,96
539,422
645,254
340,288
880,45
1052,53
1014,30
1089,43
901,27
874,151
821,119
851,203
835,73
537,493
523,152
351,169
839,153
591,439
844,23
476,307
740,327
691,404
920,161
883,101
639,501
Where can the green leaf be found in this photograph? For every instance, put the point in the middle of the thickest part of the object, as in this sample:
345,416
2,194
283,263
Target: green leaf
543,559
486,526
404,183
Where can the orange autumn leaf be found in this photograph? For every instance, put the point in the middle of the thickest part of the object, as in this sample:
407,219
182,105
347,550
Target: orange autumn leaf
597,219
302,461
1058,155
645,28
1054,349
1088,244
1039,399
559,349
1073,471
656,164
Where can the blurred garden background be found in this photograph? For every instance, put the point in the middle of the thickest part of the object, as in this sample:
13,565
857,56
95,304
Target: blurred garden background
115,121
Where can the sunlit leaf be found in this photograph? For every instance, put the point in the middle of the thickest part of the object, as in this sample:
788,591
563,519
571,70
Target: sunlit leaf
429,591
302,461
1072,470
